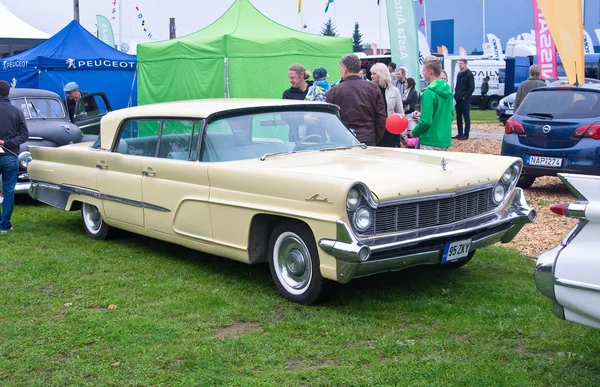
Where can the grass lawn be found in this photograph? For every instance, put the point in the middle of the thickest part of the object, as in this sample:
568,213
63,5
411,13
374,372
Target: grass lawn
136,311
484,116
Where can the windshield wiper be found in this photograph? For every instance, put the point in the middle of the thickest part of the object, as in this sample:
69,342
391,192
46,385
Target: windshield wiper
263,157
363,146
546,115
37,110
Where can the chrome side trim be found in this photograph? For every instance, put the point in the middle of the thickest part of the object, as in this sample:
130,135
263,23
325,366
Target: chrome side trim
574,232
58,195
577,285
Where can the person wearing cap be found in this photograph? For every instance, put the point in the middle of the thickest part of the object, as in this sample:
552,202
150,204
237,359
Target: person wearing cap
71,89
318,90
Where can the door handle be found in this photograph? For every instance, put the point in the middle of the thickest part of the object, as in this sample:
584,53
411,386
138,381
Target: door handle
102,165
148,172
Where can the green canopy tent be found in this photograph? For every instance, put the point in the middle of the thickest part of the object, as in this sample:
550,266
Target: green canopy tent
243,54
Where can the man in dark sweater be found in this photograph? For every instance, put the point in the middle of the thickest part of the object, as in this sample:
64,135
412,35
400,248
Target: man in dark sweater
299,87
465,86
485,88
13,133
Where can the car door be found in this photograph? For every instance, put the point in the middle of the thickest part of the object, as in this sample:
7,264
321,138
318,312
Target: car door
175,186
89,110
119,175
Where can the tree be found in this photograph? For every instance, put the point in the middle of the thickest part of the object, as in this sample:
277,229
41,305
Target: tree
357,39
329,29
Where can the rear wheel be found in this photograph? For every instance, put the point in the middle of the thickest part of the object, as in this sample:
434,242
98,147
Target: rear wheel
93,223
294,264
525,181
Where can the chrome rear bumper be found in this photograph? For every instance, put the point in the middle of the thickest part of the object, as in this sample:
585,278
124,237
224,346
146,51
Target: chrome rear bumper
423,247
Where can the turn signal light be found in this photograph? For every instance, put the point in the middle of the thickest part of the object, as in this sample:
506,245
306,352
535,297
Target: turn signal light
560,209
513,127
588,131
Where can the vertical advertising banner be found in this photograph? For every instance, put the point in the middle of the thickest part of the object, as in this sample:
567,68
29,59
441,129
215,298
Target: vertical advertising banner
546,50
404,42
565,22
105,31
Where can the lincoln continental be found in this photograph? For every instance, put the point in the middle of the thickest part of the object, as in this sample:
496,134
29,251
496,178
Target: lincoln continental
283,183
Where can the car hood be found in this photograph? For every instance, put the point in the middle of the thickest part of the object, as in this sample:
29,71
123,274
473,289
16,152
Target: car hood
57,131
390,173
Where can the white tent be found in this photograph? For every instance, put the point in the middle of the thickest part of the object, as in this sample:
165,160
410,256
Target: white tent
13,27
16,35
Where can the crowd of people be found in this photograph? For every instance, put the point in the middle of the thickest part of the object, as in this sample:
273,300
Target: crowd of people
365,104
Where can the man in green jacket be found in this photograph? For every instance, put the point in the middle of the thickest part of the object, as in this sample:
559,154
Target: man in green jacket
435,119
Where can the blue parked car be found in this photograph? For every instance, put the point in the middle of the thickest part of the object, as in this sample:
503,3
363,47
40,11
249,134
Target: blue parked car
556,129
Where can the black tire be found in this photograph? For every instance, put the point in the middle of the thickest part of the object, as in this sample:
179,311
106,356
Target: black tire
493,103
460,263
93,224
299,280
525,181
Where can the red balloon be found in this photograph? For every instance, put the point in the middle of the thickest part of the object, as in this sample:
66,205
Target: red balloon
396,123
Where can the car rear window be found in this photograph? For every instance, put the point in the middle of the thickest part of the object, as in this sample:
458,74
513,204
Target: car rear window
561,104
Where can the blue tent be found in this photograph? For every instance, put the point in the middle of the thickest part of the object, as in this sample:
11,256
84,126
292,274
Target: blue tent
73,54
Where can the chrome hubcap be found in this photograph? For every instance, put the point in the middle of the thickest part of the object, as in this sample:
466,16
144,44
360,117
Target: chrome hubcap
292,263
92,218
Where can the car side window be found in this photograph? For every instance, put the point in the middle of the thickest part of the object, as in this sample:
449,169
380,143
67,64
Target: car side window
177,140
89,106
139,138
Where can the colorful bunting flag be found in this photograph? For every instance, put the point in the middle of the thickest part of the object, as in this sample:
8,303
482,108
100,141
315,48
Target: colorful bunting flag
327,5
114,10
143,22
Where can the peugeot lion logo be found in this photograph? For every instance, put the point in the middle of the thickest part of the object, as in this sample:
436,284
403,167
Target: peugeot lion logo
71,63
546,129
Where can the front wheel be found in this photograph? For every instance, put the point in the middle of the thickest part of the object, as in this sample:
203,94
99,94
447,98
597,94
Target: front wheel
525,181
294,264
93,224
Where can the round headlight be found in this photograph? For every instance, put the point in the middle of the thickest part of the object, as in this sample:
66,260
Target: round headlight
24,159
508,176
362,219
499,193
353,199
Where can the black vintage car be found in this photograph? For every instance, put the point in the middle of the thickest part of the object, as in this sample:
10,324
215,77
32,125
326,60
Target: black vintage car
49,125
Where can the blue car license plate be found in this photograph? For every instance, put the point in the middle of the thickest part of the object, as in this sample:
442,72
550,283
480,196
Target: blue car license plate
456,250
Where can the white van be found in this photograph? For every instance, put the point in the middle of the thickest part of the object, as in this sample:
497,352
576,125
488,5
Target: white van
480,67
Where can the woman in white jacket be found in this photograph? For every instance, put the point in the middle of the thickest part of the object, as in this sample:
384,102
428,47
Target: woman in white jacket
380,75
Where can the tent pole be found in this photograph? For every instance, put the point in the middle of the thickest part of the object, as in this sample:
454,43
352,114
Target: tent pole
227,93
76,10
120,25
130,103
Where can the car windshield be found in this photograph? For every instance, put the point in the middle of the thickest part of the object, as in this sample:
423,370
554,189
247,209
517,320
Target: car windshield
561,104
254,135
39,108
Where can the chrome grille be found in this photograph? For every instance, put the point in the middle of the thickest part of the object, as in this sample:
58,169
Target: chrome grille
430,213
509,105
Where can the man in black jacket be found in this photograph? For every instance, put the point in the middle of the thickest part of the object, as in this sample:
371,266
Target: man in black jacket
465,86
485,88
13,133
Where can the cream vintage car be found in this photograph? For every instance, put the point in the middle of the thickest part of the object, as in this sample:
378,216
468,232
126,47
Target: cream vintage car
283,182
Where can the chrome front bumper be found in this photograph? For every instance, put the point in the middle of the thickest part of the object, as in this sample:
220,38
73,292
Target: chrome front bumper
423,247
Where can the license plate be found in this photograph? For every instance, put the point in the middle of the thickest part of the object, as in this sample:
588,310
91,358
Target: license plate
554,162
508,112
456,250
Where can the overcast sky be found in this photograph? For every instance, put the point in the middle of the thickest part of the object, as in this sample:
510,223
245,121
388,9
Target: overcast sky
191,15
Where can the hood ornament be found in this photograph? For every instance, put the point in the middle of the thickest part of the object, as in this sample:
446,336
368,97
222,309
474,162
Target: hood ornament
443,164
